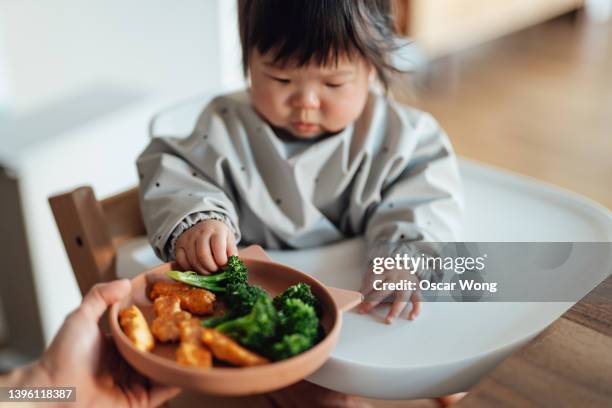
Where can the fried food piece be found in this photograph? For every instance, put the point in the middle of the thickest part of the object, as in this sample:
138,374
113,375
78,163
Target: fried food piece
166,328
226,349
136,328
167,305
191,331
169,314
195,300
191,352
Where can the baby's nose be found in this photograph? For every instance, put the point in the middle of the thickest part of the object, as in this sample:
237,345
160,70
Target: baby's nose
306,100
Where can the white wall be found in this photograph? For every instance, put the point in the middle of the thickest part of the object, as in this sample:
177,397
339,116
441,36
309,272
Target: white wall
55,47
5,91
599,10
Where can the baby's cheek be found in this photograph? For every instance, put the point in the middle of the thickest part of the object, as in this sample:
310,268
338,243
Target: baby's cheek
270,107
340,114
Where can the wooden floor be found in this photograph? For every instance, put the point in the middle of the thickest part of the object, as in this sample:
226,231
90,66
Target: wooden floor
538,102
567,365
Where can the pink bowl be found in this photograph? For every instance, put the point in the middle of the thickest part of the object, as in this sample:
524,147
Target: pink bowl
159,364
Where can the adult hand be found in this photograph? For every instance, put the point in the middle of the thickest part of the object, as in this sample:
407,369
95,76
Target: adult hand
81,356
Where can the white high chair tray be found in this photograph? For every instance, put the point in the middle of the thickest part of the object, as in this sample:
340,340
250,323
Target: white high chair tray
451,345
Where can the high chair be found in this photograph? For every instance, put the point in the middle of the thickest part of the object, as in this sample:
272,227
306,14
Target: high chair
92,230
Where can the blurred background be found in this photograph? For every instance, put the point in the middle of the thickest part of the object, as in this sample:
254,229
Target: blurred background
519,84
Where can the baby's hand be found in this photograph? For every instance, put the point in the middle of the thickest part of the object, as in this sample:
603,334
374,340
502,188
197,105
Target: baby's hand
204,248
401,298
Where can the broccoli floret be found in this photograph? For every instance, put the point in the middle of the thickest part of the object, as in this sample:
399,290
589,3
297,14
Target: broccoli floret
255,329
296,317
233,274
237,271
289,346
240,299
297,331
300,291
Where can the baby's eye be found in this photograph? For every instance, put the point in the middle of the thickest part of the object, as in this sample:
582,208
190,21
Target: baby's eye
281,80
333,85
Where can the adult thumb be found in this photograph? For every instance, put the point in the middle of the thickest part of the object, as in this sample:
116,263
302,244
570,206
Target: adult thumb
102,295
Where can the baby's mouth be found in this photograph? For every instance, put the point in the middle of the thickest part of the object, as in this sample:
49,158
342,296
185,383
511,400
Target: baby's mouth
305,127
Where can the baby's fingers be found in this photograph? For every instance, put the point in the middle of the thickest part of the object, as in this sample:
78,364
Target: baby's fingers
396,308
181,258
415,299
230,245
192,258
218,244
367,306
400,301
204,255
373,299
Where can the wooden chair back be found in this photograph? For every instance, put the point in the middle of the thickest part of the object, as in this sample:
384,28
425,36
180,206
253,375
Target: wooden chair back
92,230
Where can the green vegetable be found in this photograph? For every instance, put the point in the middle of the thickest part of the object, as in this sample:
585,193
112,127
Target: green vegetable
300,291
289,346
233,274
297,331
295,316
241,298
256,329
217,320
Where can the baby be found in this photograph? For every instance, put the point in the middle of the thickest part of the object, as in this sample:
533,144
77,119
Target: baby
309,154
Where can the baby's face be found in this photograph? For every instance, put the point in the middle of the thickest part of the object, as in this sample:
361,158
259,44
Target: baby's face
311,100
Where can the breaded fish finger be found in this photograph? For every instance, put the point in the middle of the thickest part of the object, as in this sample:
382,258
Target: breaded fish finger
136,328
165,328
167,305
191,331
191,351
193,354
226,349
169,314
195,300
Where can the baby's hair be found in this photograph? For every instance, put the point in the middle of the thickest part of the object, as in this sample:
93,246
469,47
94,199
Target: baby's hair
319,31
